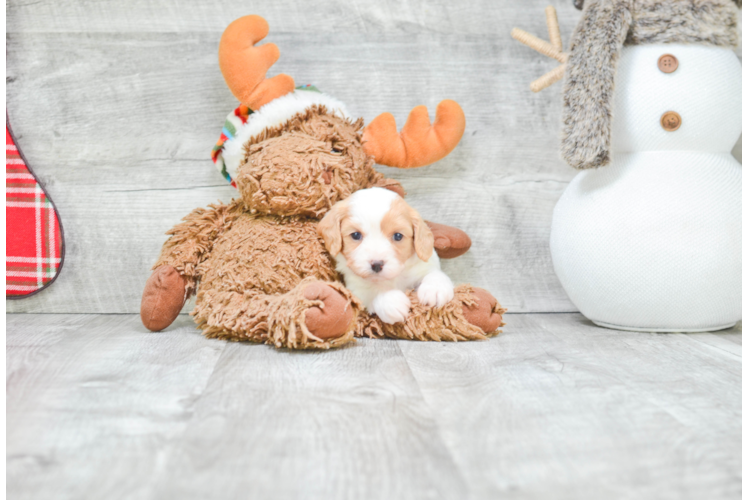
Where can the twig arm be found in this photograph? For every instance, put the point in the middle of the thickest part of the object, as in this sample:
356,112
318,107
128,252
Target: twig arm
554,49
554,31
548,79
541,46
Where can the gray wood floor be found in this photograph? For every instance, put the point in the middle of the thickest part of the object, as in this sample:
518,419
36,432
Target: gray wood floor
552,408
745,462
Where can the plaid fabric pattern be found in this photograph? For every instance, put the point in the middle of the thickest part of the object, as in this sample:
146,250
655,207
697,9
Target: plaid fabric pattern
33,237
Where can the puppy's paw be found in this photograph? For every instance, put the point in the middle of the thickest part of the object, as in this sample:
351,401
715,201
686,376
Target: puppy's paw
436,289
391,307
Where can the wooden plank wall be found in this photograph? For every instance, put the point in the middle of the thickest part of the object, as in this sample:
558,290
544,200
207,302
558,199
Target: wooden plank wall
117,105
743,54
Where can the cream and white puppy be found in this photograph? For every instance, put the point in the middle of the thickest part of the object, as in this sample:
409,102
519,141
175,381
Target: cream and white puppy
386,249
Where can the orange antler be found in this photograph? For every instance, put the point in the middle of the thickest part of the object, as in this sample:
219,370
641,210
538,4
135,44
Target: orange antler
244,66
419,143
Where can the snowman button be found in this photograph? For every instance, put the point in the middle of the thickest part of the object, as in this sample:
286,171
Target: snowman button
670,121
667,63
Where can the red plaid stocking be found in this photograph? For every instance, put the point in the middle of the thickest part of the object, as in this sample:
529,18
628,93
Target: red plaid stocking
34,247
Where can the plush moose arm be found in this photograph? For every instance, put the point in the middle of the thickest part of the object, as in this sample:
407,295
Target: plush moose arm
176,271
192,239
449,242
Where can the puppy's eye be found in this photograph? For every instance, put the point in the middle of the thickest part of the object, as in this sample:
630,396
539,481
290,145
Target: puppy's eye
336,149
397,236
356,235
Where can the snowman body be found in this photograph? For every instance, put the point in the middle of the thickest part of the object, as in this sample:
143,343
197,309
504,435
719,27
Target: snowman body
652,241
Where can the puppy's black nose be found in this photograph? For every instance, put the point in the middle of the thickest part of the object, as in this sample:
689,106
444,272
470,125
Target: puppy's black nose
377,266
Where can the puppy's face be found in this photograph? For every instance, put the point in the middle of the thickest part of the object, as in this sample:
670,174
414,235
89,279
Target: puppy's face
377,232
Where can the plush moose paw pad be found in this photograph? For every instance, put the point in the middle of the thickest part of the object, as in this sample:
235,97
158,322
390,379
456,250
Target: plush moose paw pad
163,298
485,313
435,290
391,307
333,319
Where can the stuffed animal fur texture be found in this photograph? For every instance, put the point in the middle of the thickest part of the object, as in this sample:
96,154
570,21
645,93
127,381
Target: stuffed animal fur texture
260,270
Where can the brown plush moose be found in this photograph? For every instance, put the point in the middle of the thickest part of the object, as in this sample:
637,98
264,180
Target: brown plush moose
259,267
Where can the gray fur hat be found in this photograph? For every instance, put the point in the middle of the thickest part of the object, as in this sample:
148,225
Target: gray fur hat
605,27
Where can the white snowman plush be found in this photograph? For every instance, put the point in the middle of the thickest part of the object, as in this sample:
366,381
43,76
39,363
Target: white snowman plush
648,236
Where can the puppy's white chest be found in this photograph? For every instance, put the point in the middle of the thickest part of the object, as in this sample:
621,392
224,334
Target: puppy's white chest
367,290
359,287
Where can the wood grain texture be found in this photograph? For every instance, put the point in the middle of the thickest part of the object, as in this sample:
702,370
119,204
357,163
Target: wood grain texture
117,105
94,402
742,154
343,424
557,407
483,17
744,471
554,407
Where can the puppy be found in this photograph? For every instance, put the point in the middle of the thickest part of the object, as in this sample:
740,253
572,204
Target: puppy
387,249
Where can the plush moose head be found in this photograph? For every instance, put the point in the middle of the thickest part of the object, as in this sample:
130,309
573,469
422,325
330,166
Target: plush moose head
296,151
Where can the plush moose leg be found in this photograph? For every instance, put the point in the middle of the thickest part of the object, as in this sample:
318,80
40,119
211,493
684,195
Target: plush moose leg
314,315
176,271
163,297
473,314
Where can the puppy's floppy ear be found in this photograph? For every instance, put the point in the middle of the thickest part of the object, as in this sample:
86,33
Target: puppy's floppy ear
329,228
423,238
